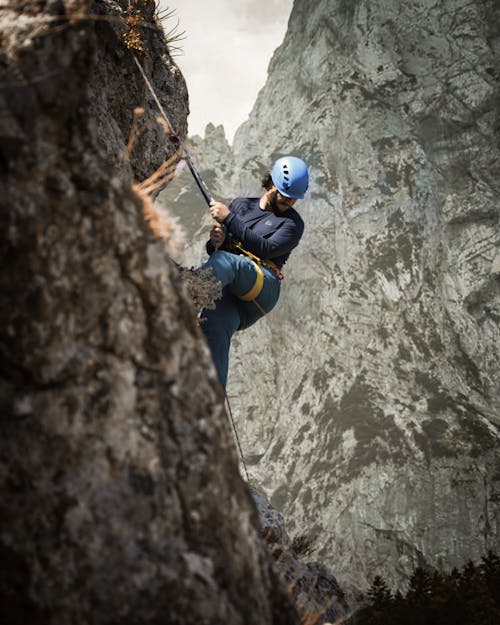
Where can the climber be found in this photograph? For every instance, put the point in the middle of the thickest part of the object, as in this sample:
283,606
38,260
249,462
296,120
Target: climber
249,244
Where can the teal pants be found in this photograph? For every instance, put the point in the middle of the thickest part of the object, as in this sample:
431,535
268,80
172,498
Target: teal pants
237,275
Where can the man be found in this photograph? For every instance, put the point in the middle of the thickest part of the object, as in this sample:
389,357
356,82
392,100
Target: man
249,244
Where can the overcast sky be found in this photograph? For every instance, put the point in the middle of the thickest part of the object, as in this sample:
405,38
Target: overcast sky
225,56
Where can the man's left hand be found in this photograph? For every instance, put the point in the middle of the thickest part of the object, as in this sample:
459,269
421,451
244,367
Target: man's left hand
219,211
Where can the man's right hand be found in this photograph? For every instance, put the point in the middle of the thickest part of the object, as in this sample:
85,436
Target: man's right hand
217,235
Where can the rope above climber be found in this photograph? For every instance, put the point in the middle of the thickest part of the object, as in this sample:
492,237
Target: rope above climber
249,243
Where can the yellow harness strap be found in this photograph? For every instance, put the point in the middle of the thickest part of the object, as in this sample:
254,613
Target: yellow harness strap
250,296
265,263
257,285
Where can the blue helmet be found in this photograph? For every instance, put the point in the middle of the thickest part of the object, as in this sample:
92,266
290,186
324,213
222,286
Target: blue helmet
290,176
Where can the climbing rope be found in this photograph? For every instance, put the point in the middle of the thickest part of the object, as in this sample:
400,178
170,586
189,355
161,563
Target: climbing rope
174,138
237,437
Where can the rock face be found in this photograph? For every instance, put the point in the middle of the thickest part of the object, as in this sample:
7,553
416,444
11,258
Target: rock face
315,591
121,500
372,415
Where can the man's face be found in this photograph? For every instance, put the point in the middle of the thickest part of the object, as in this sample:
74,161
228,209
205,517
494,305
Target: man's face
280,203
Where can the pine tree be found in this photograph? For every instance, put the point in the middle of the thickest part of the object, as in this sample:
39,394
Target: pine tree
467,597
399,610
447,605
419,597
380,600
420,586
439,598
490,568
379,594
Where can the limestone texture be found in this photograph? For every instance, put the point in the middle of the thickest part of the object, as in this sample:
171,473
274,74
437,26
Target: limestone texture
120,496
372,414
313,586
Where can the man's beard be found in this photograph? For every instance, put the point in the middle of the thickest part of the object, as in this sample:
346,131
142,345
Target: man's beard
275,205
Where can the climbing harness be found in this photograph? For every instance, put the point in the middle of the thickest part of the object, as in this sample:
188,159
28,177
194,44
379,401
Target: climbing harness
254,292
265,263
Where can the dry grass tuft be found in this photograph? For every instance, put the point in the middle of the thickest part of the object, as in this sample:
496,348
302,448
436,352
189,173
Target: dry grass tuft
173,35
159,178
304,545
202,286
74,12
309,616
133,19
135,131
162,225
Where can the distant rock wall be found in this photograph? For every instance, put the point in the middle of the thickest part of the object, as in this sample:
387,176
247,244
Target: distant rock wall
377,419
371,416
121,500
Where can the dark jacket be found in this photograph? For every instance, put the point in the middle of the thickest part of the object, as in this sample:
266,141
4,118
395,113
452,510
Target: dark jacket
268,235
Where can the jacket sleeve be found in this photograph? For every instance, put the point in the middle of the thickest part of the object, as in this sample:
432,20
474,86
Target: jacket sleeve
280,242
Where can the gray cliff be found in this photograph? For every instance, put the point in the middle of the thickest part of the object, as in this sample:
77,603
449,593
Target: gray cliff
121,500
371,416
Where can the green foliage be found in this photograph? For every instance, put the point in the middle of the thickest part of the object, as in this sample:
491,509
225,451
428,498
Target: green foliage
467,597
